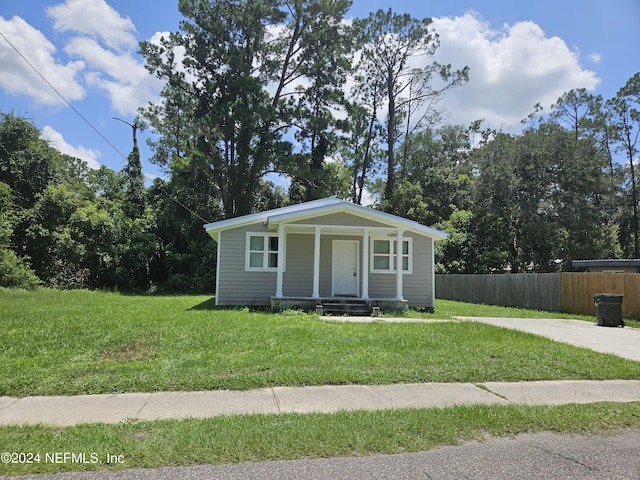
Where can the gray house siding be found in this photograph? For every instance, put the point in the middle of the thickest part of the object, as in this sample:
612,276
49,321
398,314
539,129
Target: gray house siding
298,276
254,288
343,219
416,286
237,286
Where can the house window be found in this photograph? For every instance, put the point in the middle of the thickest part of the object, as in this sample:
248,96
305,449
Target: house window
262,252
384,255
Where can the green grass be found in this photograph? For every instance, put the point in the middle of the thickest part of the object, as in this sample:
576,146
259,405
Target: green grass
72,342
290,436
450,309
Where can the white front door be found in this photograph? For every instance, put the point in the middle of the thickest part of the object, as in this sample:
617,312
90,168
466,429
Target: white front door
345,272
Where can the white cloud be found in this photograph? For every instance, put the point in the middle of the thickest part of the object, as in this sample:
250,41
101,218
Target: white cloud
96,19
101,44
57,141
126,98
128,84
595,57
511,69
18,78
103,41
121,67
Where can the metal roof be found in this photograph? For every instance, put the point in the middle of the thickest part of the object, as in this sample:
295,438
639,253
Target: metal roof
608,262
324,206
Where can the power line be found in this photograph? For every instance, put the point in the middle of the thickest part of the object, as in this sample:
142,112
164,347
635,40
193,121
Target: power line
91,125
62,97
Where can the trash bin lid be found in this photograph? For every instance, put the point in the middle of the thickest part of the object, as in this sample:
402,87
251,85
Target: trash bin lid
603,297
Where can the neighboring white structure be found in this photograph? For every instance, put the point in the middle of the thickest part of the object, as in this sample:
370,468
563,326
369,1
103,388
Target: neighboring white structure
610,265
330,248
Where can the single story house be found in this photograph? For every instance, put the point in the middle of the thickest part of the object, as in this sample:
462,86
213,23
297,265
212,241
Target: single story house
609,265
306,254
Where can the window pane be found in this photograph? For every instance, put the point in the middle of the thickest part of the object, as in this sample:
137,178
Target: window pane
380,263
255,260
256,244
405,263
381,246
273,260
273,244
405,247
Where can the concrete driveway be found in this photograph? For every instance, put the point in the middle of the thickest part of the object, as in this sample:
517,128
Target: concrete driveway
624,342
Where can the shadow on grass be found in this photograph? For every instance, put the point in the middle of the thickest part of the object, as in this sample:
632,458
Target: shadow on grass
210,305
206,305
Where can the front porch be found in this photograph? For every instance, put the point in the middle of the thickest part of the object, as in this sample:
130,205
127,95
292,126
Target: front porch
339,305
340,263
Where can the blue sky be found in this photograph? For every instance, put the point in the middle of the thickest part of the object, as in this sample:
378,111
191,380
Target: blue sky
519,53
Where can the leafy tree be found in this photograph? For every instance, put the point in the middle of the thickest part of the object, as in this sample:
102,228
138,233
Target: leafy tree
457,253
494,203
242,85
391,43
326,44
27,163
359,148
185,257
56,255
436,164
575,109
14,271
539,199
135,193
624,111
71,224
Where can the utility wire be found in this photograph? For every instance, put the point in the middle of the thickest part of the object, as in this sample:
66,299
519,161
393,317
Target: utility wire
62,97
91,125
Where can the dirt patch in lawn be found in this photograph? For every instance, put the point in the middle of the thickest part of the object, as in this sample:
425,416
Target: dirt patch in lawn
133,351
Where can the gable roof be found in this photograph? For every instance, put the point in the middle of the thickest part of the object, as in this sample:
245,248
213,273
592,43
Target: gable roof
324,206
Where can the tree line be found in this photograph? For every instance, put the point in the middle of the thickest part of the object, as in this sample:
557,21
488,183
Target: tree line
255,88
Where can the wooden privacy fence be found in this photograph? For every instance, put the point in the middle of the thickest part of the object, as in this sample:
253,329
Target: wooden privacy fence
553,292
578,290
524,290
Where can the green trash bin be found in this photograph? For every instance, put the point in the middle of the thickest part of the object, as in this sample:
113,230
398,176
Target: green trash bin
609,309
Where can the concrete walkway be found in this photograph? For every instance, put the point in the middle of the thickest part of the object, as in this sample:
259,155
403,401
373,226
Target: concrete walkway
72,410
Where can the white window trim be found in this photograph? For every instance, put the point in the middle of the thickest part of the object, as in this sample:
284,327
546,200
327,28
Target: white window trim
265,260
392,255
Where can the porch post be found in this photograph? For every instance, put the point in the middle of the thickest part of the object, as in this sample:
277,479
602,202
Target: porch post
280,261
365,263
433,274
316,264
399,265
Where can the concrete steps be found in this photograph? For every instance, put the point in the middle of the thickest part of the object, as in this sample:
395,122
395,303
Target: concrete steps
346,306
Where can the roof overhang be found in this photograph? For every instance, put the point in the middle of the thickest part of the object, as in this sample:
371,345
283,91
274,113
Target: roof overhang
327,206
614,262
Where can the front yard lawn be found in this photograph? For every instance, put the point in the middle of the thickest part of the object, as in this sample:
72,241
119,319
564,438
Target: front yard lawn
79,342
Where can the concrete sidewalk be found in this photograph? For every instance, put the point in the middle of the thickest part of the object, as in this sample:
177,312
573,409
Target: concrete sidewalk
116,408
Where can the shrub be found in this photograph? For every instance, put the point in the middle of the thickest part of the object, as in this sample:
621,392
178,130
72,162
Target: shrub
15,272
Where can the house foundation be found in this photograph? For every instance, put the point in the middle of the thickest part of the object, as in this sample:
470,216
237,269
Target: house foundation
340,305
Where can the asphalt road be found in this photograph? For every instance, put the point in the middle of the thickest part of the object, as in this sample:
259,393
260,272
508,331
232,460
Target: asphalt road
535,456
